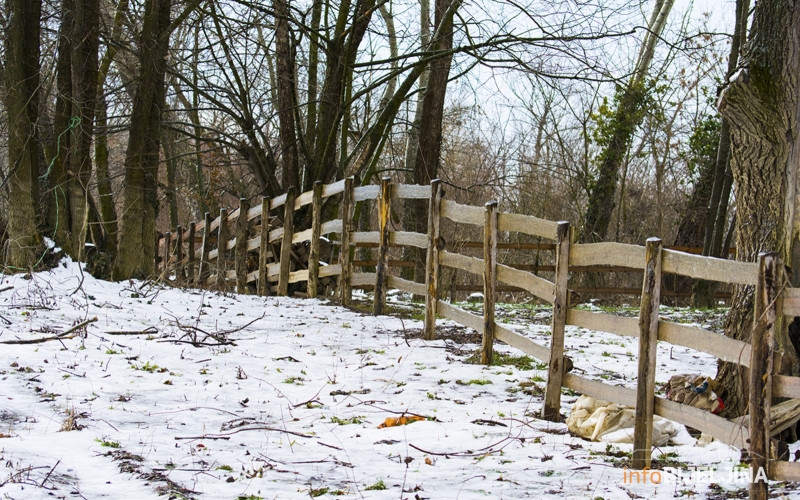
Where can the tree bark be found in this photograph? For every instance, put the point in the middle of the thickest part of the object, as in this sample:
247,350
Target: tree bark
286,89
761,102
626,119
136,245
22,106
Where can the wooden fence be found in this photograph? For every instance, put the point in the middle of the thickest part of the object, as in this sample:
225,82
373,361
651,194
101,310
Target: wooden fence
247,231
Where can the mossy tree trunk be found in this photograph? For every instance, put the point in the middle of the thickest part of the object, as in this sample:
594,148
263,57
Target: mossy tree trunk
761,102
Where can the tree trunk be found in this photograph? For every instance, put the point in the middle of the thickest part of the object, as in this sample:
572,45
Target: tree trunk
286,89
625,121
136,245
85,42
761,102
22,106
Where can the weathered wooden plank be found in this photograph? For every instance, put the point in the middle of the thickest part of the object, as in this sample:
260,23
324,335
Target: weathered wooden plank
359,279
296,276
240,251
365,237
648,347
213,254
761,361
230,274
303,199
254,244
524,344
607,254
489,281
407,286
273,270
232,216
332,270
252,277
254,212
627,327
345,252
432,266
412,192
720,346
362,193
791,302
472,265
382,268
214,224
784,386
780,470
529,282
333,189
222,240
527,224
551,410
276,234
263,245
205,248
231,243
277,201
460,316
720,428
464,214
313,254
408,238
599,390
332,226
302,236
710,268
286,242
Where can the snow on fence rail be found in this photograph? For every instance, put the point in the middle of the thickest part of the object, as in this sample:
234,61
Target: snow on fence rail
249,231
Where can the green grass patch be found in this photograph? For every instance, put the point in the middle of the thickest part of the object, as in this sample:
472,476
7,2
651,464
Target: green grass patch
377,486
482,381
523,362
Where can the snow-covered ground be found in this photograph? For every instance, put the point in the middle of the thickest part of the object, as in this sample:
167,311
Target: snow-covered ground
283,398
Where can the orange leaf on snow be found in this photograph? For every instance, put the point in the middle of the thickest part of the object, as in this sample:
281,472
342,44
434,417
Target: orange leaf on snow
395,421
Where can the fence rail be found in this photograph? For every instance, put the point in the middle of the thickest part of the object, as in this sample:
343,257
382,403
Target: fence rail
245,246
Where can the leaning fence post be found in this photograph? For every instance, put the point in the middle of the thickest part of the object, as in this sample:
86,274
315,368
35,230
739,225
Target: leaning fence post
381,270
648,341
240,251
167,244
761,362
204,249
316,228
179,257
190,253
345,290
286,243
263,248
555,369
489,280
222,248
435,243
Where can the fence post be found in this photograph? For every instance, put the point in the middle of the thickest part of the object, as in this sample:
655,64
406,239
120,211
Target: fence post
489,280
222,248
179,256
316,227
435,243
155,254
381,270
263,248
286,244
345,290
240,252
190,253
167,243
204,249
761,362
555,369
648,340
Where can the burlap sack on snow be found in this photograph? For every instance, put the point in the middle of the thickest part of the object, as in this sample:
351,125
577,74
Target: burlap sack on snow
599,420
